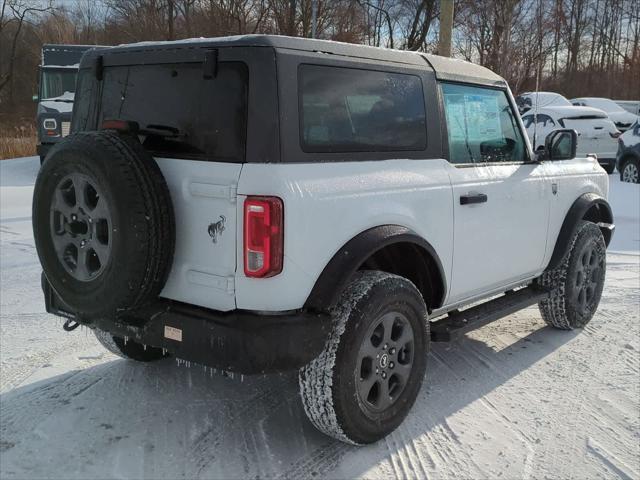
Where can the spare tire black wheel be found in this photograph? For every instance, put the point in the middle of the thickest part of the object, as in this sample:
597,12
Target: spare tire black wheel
103,224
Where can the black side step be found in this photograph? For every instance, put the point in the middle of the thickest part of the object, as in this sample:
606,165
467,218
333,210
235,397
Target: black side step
459,322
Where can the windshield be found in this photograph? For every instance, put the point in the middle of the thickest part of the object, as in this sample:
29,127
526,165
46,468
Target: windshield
56,83
606,105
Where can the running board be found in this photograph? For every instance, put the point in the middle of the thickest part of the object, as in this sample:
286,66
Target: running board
460,322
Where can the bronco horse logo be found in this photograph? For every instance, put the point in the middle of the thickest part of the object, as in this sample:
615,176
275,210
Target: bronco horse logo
216,229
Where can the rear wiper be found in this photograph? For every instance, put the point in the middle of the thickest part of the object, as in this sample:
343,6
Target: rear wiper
164,131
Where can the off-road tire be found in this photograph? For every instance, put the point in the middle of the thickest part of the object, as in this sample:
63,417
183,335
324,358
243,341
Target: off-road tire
142,232
609,168
128,349
564,308
627,172
328,384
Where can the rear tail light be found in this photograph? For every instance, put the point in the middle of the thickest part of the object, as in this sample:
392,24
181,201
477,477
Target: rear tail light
263,236
615,134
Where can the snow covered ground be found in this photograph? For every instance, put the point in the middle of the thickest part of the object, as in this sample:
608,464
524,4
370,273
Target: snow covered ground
512,400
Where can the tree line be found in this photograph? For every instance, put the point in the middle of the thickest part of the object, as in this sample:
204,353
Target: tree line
574,47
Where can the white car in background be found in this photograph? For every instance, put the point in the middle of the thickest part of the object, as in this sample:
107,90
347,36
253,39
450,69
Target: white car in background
632,106
596,132
620,117
528,100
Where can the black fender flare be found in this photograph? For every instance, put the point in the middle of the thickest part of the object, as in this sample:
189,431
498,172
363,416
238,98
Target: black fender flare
350,257
589,206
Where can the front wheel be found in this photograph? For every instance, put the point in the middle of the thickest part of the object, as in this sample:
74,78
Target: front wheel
576,284
362,386
127,348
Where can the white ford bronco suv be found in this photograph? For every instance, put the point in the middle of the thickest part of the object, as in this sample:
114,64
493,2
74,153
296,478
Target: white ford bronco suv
260,204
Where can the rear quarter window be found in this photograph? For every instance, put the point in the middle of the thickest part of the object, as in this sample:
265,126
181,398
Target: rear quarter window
180,113
352,110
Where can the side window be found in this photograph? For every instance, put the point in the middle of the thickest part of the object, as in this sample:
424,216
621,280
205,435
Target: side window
352,110
546,121
543,121
481,124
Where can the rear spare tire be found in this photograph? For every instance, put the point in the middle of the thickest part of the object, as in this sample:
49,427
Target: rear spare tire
103,224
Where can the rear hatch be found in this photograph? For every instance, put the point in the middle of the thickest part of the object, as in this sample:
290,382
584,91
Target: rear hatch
195,126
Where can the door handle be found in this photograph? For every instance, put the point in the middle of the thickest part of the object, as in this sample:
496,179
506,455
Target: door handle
473,198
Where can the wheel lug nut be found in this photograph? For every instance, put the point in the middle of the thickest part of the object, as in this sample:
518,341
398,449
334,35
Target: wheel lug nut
377,371
385,346
384,374
391,365
83,243
74,217
392,350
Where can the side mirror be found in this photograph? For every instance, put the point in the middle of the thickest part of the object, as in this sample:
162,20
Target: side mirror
560,145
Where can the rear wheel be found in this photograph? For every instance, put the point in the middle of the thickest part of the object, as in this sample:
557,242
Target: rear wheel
576,285
630,171
128,349
362,386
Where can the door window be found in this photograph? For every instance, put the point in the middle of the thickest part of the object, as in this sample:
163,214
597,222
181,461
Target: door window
482,125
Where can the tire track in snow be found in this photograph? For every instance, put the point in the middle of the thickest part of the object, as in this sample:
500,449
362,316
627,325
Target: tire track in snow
201,449
320,461
395,455
406,448
610,461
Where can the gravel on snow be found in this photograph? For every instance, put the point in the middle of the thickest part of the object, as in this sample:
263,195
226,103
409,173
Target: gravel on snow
514,399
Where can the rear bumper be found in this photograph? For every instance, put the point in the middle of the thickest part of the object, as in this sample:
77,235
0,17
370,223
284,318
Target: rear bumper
242,342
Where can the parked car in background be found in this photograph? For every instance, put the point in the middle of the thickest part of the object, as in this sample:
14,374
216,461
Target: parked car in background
628,160
528,100
596,132
57,85
632,106
618,115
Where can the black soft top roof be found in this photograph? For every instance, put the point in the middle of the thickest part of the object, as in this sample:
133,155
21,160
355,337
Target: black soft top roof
445,68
